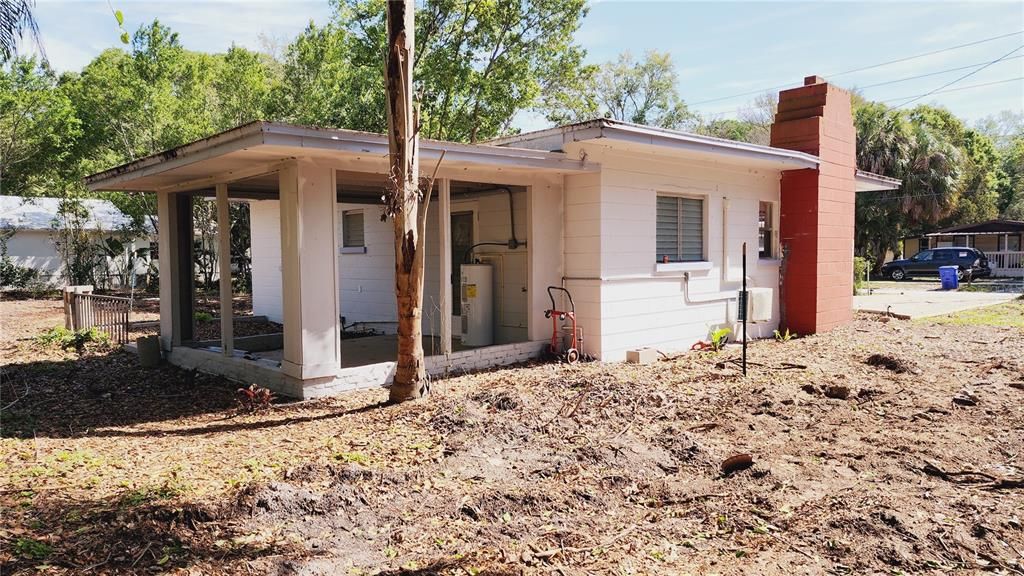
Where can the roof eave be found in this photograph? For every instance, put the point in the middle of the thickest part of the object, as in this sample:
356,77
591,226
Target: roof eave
286,135
591,130
789,159
871,182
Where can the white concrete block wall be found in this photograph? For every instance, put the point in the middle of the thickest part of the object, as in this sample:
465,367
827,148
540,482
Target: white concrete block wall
582,232
265,231
636,304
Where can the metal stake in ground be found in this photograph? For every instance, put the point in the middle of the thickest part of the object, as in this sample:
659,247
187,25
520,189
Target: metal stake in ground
743,308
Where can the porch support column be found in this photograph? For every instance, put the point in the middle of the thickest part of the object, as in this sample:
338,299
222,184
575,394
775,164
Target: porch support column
308,203
444,197
174,241
227,325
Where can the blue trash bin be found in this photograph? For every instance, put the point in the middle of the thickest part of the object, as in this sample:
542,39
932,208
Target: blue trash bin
947,274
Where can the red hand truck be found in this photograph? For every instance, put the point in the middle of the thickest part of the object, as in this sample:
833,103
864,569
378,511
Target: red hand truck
571,353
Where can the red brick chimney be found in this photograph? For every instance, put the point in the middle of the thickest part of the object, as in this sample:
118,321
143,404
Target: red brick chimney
817,206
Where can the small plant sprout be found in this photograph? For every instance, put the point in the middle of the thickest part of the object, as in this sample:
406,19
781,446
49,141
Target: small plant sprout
785,336
719,338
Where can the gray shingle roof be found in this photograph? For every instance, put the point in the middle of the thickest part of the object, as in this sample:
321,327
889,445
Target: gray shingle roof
41,214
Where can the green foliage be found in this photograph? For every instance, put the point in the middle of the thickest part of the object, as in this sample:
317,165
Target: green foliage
719,338
861,266
201,316
34,549
785,336
77,339
950,175
38,126
640,91
1011,195
478,64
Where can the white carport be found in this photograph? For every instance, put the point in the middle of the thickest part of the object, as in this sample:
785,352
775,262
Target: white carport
307,170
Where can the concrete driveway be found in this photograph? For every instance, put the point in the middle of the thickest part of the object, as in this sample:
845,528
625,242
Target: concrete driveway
920,299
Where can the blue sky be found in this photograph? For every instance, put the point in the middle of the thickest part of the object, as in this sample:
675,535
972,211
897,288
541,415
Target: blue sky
720,48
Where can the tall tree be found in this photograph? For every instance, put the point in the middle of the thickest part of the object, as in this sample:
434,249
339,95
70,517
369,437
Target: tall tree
16,18
244,83
479,63
640,91
38,126
402,202
1012,193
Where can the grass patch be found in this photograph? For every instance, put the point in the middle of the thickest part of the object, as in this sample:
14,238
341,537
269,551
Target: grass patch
1008,314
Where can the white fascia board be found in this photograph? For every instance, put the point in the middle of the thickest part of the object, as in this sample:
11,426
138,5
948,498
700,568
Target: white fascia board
299,137
871,182
245,136
556,138
706,144
376,144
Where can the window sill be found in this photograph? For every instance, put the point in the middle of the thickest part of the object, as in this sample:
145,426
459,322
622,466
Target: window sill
352,250
682,266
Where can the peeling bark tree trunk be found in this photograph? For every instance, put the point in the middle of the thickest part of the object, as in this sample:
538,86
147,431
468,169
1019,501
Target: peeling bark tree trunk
402,199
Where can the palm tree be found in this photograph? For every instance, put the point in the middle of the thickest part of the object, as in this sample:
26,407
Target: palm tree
15,19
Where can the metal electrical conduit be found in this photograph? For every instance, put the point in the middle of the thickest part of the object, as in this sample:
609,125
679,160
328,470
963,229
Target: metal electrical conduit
513,242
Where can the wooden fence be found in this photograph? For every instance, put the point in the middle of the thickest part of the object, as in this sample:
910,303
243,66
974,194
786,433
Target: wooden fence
84,310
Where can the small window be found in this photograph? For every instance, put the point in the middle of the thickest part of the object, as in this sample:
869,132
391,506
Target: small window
765,231
943,255
680,229
925,256
352,229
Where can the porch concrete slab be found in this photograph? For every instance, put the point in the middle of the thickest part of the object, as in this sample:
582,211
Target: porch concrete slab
924,303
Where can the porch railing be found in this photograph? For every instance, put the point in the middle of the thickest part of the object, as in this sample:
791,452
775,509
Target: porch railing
1005,260
84,310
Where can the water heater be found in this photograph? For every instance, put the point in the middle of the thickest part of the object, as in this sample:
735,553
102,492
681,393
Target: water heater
477,286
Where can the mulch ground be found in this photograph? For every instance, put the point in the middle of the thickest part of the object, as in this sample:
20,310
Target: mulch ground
886,447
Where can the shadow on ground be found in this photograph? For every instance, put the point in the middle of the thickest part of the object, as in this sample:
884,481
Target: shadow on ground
71,398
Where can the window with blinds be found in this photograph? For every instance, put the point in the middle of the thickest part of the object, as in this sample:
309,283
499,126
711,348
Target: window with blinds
680,229
352,229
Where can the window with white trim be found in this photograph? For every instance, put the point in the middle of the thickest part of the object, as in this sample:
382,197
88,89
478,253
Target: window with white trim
352,229
680,229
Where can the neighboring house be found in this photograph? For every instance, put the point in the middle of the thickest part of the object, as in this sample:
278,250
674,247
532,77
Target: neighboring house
644,226
34,222
1001,240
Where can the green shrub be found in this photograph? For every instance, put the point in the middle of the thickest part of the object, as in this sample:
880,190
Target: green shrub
861,266
77,339
203,316
14,276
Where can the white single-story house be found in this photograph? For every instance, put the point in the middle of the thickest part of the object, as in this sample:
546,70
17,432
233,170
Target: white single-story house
645,227
1002,241
32,224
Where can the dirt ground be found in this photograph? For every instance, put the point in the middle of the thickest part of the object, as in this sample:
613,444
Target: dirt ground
886,447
